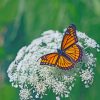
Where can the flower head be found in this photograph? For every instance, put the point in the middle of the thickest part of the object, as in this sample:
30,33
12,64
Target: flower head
26,71
25,94
87,77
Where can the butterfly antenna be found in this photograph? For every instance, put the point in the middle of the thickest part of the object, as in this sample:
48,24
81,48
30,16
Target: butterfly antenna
38,59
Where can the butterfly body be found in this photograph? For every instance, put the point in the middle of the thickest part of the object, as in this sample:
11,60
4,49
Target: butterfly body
69,54
60,52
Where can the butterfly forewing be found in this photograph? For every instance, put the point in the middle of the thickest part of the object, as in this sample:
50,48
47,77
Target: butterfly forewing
49,59
69,38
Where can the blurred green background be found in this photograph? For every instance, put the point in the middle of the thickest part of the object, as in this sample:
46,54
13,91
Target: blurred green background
21,21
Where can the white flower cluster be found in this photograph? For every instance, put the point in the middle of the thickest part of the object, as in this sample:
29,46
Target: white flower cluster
87,77
33,79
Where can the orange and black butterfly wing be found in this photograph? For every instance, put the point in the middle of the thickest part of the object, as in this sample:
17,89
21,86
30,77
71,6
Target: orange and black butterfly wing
54,59
49,59
64,63
74,52
69,38
69,46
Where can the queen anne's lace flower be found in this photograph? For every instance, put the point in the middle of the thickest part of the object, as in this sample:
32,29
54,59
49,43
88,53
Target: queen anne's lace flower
57,98
87,77
25,94
33,79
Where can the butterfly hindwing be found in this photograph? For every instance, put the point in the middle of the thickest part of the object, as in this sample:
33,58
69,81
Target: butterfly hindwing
69,38
64,63
74,52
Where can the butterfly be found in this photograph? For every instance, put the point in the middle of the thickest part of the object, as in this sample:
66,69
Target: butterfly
69,54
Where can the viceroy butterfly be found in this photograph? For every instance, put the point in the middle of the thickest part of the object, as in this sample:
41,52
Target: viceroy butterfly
69,54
